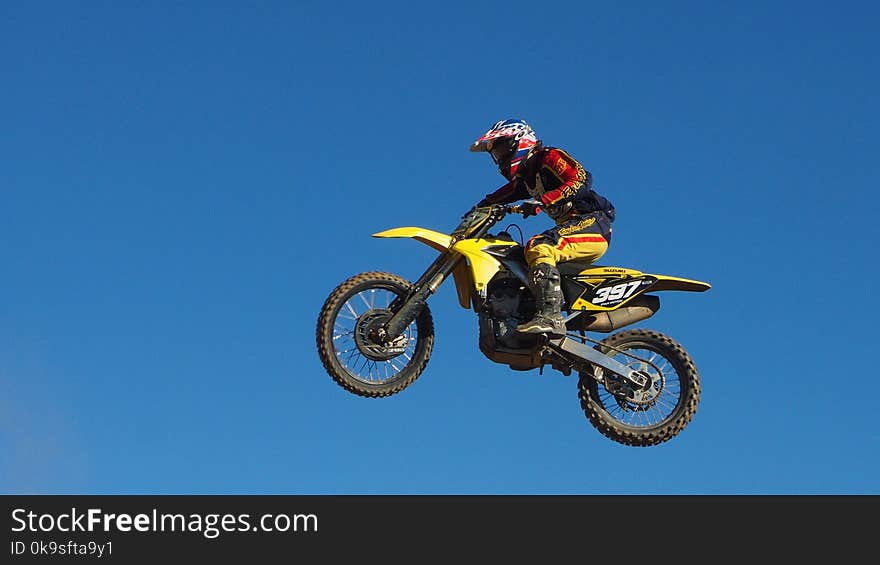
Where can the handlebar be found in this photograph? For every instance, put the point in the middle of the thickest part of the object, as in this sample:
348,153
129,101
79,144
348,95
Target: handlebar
504,209
479,219
520,209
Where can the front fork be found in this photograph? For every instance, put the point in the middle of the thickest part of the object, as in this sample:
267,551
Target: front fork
407,307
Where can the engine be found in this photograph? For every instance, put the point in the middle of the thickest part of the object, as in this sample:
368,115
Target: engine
508,304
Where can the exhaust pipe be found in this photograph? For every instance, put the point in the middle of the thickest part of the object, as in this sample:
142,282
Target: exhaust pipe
641,308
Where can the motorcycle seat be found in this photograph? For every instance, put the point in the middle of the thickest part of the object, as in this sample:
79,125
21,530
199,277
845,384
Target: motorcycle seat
576,267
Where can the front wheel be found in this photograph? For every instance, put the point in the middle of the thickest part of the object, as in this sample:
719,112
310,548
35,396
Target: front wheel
350,354
648,415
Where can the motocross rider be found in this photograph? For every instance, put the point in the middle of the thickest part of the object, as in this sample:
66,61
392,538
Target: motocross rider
553,181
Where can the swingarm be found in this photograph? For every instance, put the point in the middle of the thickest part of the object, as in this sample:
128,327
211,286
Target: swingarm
574,348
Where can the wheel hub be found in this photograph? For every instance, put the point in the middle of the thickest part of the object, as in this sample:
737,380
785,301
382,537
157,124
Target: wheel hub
630,397
366,330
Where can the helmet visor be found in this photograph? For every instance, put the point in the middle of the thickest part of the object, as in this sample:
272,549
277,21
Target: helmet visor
500,149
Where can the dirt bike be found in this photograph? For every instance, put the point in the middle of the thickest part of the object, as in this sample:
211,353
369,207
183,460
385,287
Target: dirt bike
638,387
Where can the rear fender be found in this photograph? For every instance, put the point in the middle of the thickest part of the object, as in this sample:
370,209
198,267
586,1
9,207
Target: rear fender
613,287
677,283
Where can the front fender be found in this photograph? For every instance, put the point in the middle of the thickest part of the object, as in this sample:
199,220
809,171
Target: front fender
441,242
437,240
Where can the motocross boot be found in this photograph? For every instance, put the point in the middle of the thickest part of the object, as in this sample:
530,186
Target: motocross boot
544,283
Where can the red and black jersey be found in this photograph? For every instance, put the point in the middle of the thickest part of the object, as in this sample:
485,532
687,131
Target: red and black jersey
559,181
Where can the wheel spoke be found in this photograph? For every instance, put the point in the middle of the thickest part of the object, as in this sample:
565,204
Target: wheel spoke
369,306
341,335
654,405
354,361
352,310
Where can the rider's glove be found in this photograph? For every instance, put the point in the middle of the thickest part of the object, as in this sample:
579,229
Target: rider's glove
530,209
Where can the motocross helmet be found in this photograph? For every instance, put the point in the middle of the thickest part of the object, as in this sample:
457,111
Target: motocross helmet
509,142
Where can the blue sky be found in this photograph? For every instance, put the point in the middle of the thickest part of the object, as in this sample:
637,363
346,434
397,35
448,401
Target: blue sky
182,184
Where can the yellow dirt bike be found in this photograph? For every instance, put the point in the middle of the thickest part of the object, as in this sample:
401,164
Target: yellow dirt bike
638,387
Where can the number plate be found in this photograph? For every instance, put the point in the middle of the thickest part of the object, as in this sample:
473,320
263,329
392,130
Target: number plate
617,291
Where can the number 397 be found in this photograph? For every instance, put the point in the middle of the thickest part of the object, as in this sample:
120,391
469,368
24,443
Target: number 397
616,292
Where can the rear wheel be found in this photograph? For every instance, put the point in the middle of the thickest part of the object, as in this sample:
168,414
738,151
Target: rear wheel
648,415
346,341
